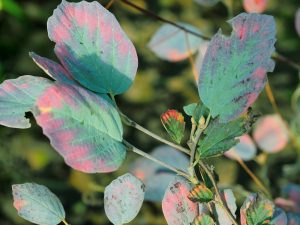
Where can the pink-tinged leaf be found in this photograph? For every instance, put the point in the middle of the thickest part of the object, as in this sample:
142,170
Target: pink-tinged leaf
52,69
293,218
292,191
287,205
155,177
234,68
207,2
85,128
255,6
123,199
245,149
37,204
17,96
271,134
177,208
92,46
297,21
279,217
173,44
199,60
221,215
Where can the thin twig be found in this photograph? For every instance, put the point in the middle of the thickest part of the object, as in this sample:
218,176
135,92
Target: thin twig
111,2
278,57
132,148
65,222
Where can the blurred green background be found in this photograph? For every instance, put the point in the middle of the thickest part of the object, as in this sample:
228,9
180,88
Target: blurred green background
26,156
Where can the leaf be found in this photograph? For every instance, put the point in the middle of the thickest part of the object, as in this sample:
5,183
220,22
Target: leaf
255,6
177,208
256,210
173,122
207,2
203,220
292,192
85,128
271,134
155,177
220,137
196,110
200,57
53,69
92,46
279,217
245,149
200,193
293,218
173,44
221,216
234,68
12,7
37,204
17,96
123,199
297,21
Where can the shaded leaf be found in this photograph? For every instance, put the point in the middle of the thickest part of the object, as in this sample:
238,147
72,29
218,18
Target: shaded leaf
297,21
245,149
83,127
92,46
279,217
270,133
173,44
37,204
177,208
203,220
293,218
155,177
234,68
123,199
255,6
173,122
17,96
292,192
220,137
200,193
221,215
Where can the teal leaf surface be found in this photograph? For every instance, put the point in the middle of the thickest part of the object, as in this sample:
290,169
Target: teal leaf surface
37,204
85,128
234,68
17,96
173,44
123,199
92,46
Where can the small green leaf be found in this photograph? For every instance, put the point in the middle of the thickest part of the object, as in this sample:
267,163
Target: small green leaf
203,220
220,137
201,193
196,110
173,122
37,204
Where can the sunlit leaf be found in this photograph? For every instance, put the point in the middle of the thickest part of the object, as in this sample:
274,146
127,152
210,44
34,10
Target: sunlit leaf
271,134
207,2
177,208
37,204
83,127
279,217
256,210
123,199
221,215
245,149
220,137
234,68
17,96
92,46
203,220
155,177
173,44
53,69
200,193
297,21
255,6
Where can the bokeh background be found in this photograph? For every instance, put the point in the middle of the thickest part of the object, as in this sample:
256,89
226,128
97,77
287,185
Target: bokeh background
26,155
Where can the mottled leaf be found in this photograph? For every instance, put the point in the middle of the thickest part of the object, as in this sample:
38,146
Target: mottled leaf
200,193
221,215
207,2
83,127
51,68
297,21
37,204
220,137
173,44
123,199
203,220
177,208
155,177
17,96
234,68
255,6
245,149
271,134
92,46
